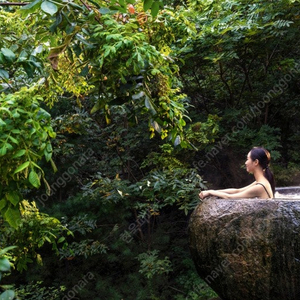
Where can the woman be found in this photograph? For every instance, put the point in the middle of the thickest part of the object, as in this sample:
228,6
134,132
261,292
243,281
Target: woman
257,163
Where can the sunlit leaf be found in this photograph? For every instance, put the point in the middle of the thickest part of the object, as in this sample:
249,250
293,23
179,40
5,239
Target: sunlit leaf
104,10
19,153
22,167
49,7
6,249
8,54
138,96
7,295
149,105
4,74
4,265
177,140
34,179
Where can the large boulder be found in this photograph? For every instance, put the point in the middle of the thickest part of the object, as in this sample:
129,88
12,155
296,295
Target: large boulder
248,249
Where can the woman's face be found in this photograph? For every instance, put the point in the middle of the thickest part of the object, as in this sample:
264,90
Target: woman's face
250,164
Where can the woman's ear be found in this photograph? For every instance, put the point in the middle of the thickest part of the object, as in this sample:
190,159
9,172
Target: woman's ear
256,162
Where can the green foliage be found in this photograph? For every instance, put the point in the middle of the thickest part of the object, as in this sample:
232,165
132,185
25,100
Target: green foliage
88,247
90,55
266,136
195,287
168,187
286,175
24,139
5,266
202,133
194,73
34,230
20,54
36,291
151,265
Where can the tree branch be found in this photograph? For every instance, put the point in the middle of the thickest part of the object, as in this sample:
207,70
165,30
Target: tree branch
13,3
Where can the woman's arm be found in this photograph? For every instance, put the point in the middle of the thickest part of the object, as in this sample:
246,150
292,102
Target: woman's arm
234,191
251,192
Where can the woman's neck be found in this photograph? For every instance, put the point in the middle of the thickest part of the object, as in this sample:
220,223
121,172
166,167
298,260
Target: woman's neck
259,175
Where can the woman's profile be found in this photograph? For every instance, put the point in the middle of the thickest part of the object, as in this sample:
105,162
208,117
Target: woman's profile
257,163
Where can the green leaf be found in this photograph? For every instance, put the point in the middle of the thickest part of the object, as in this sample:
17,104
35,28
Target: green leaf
149,105
118,8
155,71
47,186
37,166
13,140
97,106
13,197
6,110
3,150
2,203
4,265
104,10
34,179
147,4
9,146
8,54
17,131
138,96
75,5
12,216
22,56
155,9
7,295
177,141
53,165
122,3
6,249
47,155
2,123
19,153
4,74
42,114
22,167
61,239
49,7
108,50
15,114
156,126
49,147
52,134
2,60
31,5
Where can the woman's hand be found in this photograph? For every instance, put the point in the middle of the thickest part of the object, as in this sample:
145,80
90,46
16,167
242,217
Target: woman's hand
204,194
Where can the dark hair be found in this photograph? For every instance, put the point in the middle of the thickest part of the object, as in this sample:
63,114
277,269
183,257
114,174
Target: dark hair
264,158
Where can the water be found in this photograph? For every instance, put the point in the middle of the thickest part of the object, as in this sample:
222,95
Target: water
291,193
287,196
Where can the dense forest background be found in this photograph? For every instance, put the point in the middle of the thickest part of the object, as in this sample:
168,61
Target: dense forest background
113,116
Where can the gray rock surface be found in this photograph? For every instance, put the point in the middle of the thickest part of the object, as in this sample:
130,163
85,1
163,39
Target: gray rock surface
248,249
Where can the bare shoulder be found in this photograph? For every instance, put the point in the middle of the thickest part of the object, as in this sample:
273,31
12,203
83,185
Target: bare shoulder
265,188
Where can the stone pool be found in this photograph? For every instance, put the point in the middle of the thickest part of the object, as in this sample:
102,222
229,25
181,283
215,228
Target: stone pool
249,249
